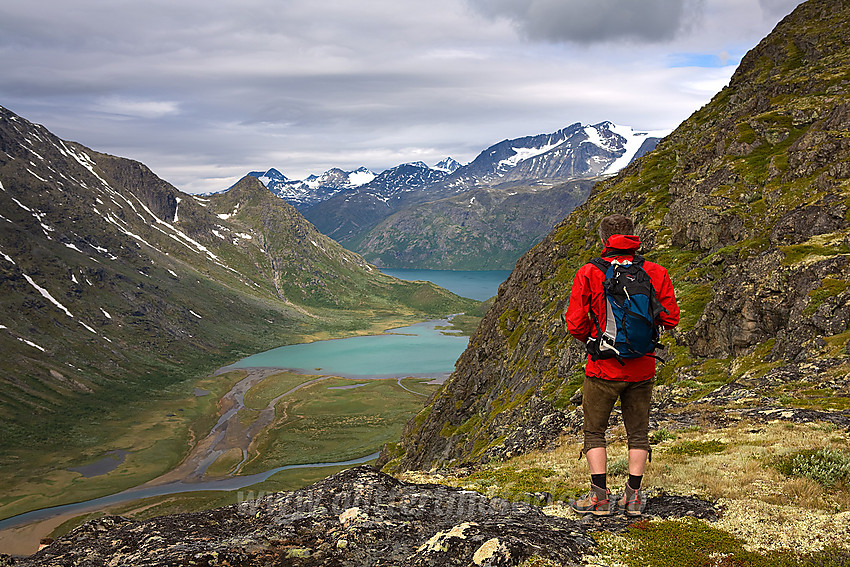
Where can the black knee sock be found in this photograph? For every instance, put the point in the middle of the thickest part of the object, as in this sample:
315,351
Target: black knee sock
599,480
634,481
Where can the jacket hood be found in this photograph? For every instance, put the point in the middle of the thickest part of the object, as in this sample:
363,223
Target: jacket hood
627,243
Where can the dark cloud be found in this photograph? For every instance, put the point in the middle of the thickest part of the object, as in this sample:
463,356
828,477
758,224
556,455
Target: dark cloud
580,21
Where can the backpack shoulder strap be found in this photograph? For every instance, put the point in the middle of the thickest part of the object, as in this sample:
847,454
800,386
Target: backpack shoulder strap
601,264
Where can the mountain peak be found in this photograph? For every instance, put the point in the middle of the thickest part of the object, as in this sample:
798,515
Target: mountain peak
304,193
577,151
270,176
449,165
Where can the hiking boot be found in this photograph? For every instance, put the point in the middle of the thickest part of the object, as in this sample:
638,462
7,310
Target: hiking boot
596,502
632,502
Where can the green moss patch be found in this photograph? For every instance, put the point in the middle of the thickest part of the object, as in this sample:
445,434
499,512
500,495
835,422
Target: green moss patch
797,253
660,435
517,484
692,299
829,287
675,543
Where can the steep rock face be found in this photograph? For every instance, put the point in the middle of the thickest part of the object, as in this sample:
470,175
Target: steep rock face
746,204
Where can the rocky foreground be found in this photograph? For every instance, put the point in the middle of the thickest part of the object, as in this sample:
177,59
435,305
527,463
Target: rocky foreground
357,517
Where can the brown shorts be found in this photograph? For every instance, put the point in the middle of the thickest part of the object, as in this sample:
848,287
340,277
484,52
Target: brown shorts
599,397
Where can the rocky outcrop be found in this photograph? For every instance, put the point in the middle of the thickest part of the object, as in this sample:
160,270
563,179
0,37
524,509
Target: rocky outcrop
746,204
359,517
776,302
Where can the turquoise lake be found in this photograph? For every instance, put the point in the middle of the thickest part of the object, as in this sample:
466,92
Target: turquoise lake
475,285
419,350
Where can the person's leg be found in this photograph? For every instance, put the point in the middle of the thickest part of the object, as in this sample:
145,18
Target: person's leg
598,398
635,401
637,465
597,460
597,463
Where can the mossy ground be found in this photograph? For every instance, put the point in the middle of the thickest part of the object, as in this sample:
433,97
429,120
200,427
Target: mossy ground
688,541
768,518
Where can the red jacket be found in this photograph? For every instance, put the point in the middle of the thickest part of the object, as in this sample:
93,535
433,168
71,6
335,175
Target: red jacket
587,293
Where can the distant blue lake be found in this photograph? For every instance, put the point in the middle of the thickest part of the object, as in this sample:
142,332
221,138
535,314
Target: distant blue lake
417,350
475,285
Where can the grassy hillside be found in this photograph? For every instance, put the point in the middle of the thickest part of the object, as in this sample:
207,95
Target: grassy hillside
487,228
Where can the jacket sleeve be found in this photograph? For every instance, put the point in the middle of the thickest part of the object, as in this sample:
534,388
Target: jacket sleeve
577,317
667,296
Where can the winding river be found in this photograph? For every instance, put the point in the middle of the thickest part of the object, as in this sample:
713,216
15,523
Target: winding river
418,350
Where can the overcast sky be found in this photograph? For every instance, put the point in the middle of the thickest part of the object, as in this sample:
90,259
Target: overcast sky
203,91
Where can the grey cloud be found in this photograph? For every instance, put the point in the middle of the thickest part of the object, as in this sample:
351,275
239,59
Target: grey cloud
583,22
203,90
774,9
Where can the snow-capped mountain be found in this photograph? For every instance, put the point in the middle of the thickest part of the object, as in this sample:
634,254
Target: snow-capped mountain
303,194
345,209
449,165
404,178
269,178
573,152
349,213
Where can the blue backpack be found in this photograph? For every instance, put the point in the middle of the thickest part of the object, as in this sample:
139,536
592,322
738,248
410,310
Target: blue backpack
632,308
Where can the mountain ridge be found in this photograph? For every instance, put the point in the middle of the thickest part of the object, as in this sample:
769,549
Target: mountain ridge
619,140
400,206
114,282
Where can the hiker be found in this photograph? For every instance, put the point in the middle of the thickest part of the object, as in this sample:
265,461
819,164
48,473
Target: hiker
618,367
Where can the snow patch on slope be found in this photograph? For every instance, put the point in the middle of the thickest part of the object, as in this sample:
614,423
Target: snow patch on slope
634,140
522,154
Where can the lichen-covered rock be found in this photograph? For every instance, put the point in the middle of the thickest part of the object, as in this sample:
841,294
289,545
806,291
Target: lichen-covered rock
359,517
